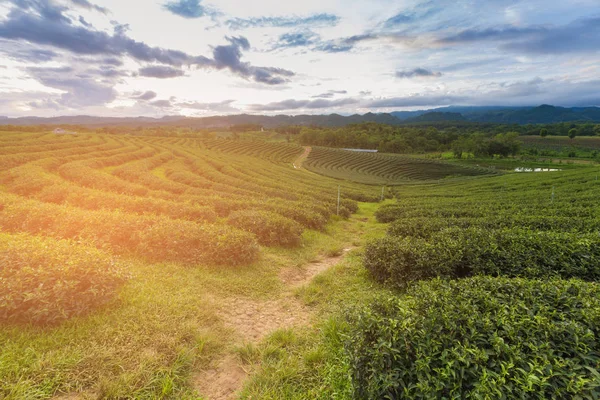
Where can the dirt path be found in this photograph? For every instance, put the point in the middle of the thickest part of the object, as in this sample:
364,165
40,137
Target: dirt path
298,162
253,320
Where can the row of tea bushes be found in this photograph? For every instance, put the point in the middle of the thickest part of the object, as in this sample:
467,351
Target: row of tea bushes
154,238
45,281
458,253
480,338
496,292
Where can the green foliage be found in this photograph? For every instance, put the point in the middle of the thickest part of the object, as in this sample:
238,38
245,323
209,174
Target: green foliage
480,338
572,133
383,169
44,281
270,229
457,253
543,132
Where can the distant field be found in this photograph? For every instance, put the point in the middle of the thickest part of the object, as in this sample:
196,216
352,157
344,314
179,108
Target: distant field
561,143
380,169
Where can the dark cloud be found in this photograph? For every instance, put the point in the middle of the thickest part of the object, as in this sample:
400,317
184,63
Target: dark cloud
146,96
52,28
81,90
161,103
418,73
301,104
35,56
107,71
89,6
229,57
112,61
222,106
189,8
160,72
582,35
365,93
329,94
322,19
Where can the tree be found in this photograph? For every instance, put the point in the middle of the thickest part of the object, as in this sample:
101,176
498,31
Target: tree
543,132
572,133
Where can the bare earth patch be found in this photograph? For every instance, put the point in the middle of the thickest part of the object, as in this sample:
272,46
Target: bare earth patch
253,320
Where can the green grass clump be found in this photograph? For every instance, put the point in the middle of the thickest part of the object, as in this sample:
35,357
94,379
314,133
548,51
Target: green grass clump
44,281
270,229
458,253
480,338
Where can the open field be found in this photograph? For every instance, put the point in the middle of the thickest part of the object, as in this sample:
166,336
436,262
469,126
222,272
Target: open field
179,268
516,311
384,169
132,266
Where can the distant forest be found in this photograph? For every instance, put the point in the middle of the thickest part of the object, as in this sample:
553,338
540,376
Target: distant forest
479,139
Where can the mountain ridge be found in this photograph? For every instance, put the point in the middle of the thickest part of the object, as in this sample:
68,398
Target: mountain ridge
542,114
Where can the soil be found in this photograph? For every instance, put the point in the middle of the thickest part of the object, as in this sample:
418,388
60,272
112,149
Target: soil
252,320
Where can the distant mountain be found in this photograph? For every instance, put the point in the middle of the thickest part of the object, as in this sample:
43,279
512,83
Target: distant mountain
437,116
543,114
208,122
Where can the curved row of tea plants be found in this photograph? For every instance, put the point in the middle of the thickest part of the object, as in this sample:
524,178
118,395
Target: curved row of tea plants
388,169
496,283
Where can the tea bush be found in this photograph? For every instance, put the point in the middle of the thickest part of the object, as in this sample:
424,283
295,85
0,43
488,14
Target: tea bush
480,338
457,253
45,281
270,229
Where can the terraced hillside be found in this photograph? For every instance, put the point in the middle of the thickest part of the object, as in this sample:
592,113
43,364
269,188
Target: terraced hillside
383,169
140,243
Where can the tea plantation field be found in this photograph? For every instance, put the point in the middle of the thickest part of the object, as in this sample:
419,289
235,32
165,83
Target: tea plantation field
496,291
160,267
384,169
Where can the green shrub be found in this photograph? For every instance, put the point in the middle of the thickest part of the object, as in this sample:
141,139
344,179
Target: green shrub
156,238
44,281
480,338
456,253
270,229
388,213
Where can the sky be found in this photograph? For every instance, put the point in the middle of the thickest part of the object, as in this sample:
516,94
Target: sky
216,57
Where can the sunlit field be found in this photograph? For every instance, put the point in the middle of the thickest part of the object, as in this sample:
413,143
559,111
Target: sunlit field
217,268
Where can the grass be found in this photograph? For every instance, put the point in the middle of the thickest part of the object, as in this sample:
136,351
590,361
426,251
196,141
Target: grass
164,325
310,363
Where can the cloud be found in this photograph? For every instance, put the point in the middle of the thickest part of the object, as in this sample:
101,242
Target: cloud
419,13
146,96
301,104
329,94
344,44
418,100
89,6
189,9
51,27
34,56
160,72
81,90
161,104
581,35
222,106
418,73
229,57
297,39
317,20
